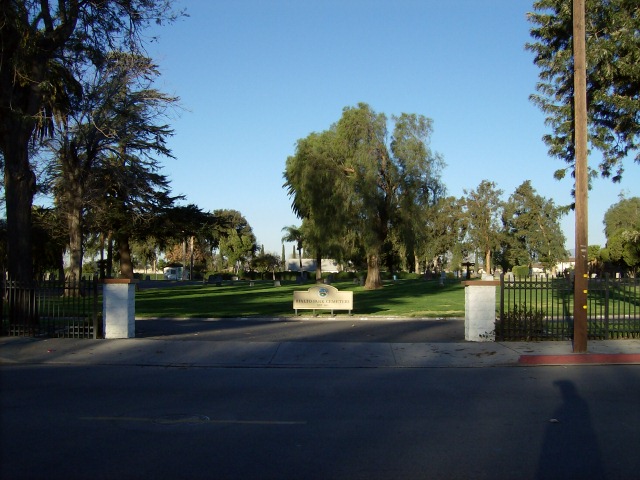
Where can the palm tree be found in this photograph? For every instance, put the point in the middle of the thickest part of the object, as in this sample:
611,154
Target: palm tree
294,234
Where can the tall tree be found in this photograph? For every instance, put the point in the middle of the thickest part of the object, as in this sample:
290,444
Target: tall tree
313,180
237,242
444,232
132,191
419,187
483,207
353,181
613,79
45,47
623,215
118,105
532,228
622,229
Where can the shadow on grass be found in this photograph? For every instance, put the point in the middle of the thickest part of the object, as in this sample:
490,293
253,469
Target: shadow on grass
404,298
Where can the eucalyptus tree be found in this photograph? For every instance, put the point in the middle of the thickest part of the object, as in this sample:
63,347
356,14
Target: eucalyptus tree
313,180
46,47
482,209
444,232
396,178
357,181
531,226
613,79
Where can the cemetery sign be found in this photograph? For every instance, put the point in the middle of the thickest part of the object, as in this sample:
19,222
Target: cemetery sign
323,297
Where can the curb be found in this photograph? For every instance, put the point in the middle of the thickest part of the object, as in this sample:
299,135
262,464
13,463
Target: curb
582,359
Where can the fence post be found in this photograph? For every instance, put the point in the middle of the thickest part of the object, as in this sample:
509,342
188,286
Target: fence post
480,310
94,309
606,305
118,307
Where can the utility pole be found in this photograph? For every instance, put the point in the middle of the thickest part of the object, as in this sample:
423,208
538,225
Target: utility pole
581,174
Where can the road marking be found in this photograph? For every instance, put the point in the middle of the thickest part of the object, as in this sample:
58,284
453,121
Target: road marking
191,420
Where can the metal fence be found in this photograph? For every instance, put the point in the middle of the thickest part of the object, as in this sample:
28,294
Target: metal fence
541,308
52,308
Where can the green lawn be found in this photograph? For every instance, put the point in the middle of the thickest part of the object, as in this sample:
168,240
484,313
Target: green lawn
404,298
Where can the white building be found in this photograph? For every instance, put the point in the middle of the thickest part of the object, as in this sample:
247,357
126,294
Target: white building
309,265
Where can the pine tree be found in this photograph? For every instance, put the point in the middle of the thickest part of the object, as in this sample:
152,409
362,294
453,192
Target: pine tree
613,79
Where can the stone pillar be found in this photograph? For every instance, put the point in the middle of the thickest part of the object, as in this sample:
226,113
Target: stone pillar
119,308
480,310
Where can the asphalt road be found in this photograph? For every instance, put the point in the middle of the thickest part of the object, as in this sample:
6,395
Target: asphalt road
133,422
307,330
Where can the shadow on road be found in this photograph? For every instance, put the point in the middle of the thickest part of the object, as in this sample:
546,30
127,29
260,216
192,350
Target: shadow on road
389,331
570,447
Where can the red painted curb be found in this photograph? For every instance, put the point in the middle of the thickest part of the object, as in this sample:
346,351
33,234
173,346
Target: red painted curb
581,358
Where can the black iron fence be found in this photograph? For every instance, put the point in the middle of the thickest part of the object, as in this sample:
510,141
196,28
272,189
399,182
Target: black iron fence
541,308
69,309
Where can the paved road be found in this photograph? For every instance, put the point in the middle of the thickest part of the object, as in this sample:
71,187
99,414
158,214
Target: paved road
138,422
360,399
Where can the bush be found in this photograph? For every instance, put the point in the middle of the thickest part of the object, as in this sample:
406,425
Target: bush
407,276
344,276
520,271
521,323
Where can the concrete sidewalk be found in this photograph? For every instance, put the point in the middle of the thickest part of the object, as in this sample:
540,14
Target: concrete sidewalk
192,353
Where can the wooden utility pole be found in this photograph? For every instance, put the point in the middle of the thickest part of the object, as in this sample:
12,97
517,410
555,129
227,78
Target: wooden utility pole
581,172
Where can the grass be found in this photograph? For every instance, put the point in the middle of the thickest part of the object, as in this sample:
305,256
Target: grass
403,298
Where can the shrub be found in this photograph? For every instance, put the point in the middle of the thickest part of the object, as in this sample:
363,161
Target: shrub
520,271
521,323
344,276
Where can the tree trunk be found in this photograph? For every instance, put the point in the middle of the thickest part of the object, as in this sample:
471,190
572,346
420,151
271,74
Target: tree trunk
126,265
74,224
300,257
374,280
109,255
318,266
61,266
487,261
19,185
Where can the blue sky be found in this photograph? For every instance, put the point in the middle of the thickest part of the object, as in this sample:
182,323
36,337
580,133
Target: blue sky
255,76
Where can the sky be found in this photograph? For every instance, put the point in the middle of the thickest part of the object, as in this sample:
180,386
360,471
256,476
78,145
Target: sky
255,76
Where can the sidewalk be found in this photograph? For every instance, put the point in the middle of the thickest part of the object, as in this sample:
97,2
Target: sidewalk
192,353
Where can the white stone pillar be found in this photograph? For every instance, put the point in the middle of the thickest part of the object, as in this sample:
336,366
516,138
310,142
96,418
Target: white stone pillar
119,307
480,310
